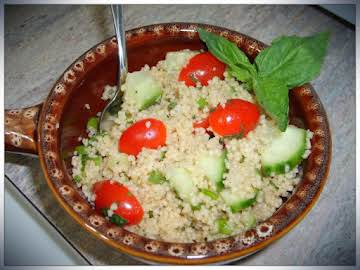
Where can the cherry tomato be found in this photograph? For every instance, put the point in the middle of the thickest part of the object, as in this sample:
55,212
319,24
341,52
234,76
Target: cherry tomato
202,67
202,123
147,133
128,207
238,117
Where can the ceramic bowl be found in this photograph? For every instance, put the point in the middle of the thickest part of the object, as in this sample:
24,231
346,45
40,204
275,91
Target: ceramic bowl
51,131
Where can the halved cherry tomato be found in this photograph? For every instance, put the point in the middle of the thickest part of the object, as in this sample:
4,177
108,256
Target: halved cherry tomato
147,133
108,192
202,68
202,123
237,117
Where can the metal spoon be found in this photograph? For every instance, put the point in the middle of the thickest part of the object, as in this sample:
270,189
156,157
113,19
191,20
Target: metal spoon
115,103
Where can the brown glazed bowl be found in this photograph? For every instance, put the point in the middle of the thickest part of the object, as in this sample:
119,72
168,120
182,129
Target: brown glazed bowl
51,131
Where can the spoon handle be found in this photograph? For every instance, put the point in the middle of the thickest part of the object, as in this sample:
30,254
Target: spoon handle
117,12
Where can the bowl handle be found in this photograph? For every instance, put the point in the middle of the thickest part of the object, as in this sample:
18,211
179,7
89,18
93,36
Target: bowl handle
21,130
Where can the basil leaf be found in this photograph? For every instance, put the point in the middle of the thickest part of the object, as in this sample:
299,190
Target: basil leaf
273,96
228,53
293,60
241,75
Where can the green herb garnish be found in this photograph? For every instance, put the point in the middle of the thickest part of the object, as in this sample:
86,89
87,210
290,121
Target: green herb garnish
196,207
77,178
202,103
290,61
172,105
104,211
274,185
156,177
97,160
92,123
209,193
162,155
223,226
151,214
118,220
81,150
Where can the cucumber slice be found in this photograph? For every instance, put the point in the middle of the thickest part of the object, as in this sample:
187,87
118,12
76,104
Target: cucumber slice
143,89
285,152
180,179
235,202
214,168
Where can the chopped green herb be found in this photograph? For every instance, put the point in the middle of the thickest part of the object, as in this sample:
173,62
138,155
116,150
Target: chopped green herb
274,185
97,160
93,139
128,115
156,177
104,211
162,155
196,207
83,159
202,103
223,226
77,178
92,123
81,150
209,193
151,214
118,220
172,105
220,185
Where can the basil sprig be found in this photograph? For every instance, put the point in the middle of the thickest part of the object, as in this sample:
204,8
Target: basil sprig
290,61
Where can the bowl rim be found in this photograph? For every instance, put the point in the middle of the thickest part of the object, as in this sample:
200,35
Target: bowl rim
159,258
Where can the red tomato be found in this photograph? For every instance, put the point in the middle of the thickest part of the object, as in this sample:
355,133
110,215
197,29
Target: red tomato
238,117
128,207
202,67
147,133
202,123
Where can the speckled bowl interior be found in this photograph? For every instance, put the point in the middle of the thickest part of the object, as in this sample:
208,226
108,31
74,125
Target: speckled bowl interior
63,120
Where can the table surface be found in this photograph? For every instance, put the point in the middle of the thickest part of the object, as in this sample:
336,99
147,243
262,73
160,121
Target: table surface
42,40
